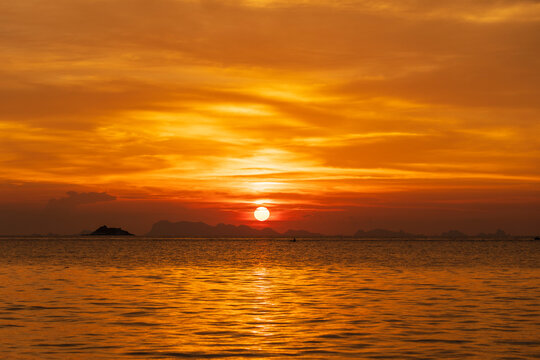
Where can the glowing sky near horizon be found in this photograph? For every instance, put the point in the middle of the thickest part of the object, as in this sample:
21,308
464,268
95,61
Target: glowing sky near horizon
316,107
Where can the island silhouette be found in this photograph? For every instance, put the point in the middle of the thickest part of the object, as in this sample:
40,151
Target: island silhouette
166,228
107,231
191,229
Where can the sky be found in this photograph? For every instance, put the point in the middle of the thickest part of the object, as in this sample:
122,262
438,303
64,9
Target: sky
335,115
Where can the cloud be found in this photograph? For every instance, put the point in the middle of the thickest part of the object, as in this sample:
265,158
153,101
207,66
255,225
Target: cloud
239,100
75,199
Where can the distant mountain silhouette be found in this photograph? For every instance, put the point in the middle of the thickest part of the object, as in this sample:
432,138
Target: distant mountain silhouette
499,234
166,228
450,234
200,229
107,231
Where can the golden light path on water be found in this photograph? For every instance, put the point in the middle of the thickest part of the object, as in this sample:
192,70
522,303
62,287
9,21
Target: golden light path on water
253,298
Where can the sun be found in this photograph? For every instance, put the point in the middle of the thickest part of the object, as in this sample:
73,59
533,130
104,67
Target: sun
261,213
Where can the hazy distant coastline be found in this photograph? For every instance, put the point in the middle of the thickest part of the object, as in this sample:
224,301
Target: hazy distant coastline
166,228
189,229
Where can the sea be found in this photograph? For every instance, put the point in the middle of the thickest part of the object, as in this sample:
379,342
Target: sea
149,298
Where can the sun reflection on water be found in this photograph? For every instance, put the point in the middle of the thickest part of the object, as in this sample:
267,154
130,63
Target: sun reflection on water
260,299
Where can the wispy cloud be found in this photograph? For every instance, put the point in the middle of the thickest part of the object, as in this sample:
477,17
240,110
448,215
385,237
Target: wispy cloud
74,199
307,101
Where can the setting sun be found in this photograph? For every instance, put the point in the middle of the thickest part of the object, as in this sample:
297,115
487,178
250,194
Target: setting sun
261,213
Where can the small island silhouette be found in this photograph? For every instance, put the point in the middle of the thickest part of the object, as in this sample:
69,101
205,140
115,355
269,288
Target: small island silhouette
107,231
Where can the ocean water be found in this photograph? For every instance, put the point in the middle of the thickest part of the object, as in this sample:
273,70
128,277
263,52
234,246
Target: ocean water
140,298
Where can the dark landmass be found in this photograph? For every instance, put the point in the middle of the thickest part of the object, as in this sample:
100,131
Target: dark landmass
199,229
499,234
107,231
166,228
450,234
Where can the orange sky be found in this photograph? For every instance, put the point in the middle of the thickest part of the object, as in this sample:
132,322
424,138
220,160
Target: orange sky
337,115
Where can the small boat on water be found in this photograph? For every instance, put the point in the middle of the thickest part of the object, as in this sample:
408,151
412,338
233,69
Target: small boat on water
293,239
537,238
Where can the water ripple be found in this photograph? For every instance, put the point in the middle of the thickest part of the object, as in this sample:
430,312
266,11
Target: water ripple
238,299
